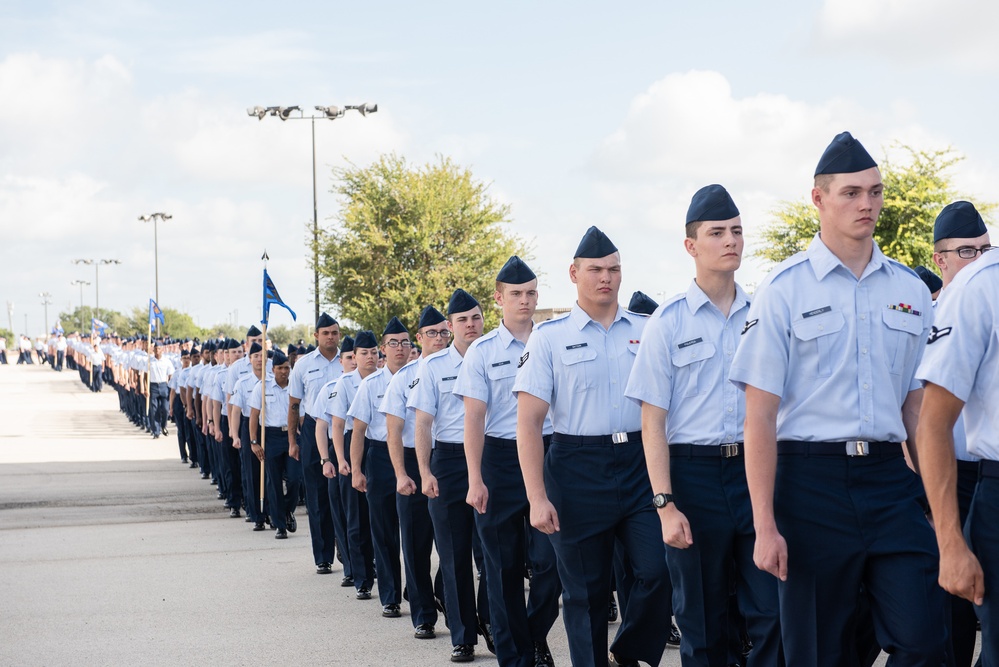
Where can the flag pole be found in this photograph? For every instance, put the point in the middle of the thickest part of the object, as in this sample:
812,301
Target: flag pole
149,362
91,355
263,412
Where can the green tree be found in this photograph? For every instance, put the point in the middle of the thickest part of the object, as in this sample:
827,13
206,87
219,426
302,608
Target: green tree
79,320
282,334
409,236
8,335
915,192
176,324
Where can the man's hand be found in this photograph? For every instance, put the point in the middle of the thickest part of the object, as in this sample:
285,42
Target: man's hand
676,528
329,470
405,486
359,482
544,517
961,574
293,451
770,553
430,489
258,451
344,468
478,497
236,443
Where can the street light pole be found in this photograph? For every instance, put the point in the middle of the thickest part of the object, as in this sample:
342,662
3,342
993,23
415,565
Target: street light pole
97,279
46,302
10,316
81,283
156,217
330,113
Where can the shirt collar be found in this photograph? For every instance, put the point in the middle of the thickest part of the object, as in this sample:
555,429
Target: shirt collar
579,317
455,356
696,298
823,261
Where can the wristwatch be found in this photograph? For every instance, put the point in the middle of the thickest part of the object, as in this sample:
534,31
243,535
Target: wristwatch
661,500
324,461
254,442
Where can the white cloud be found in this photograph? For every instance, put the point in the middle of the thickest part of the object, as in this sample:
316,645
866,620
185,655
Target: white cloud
959,32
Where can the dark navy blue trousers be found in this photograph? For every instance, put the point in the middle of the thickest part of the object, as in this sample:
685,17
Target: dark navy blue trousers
713,494
317,501
180,426
506,535
384,518
602,492
233,470
964,622
159,397
359,547
454,531
982,533
335,497
250,468
851,522
280,469
417,533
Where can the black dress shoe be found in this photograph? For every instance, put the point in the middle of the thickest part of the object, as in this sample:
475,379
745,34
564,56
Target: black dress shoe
204,475
391,611
156,436
166,432
194,464
293,526
281,534
347,582
674,636
463,653
324,568
220,496
363,594
542,655
184,460
487,635
617,661
248,519
258,526
234,513
612,611
424,631
215,482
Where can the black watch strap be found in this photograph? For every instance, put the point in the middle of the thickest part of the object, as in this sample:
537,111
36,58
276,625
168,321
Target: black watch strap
661,500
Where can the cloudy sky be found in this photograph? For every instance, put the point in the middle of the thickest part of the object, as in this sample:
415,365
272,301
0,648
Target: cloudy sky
576,113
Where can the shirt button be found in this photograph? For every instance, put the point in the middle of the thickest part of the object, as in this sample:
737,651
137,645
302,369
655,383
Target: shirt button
730,409
863,316
867,418
863,350
821,328
865,385
615,406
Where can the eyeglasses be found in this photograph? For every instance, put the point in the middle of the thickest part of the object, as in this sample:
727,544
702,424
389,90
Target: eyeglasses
399,343
969,252
434,333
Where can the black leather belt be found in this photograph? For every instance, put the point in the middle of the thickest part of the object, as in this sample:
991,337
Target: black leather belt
511,443
987,468
612,439
377,443
283,429
847,448
725,451
449,446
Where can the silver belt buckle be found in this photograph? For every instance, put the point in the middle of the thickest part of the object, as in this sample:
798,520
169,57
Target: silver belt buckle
619,438
730,450
858,448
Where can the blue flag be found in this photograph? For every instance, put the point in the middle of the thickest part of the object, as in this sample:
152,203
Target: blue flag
271,296
155,314
98,326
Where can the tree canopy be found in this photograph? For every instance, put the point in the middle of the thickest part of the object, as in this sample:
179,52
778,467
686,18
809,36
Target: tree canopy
408,236
914,193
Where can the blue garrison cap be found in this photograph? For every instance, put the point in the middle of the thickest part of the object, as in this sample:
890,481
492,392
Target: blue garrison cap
253,331
233,344
429,316
194,351
279,358
393,327
185,353
325,321
515,272
643,303
310,348
712,202
845,155
346,345
959,220
292,349
365,339
594,245
302,351
931,279
460,302
255,348
210,346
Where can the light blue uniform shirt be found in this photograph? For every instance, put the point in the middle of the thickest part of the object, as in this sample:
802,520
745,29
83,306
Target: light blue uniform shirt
276,409
434,394
487,375
342,397
683,364
840,352
396,398
309,375
581,370
241,394
963,353
236,370
323,397
213,390
369,396
960,435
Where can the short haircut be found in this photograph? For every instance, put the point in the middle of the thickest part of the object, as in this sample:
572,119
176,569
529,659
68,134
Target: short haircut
823,181
692,228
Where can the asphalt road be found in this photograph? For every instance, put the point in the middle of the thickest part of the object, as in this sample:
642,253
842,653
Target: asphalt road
112,552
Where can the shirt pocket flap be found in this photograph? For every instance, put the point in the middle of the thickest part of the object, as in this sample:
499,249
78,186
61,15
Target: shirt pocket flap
445,386
502,372
900,321
694,353
570,357
813,327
